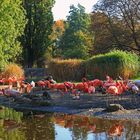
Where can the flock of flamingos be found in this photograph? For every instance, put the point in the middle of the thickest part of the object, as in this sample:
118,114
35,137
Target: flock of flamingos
109,86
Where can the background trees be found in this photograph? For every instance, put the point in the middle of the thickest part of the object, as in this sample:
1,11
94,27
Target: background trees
39,27
122,22
77,39
57,32
112,24
12,23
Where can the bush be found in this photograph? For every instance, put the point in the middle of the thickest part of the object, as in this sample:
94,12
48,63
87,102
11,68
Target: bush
13,70
66,70
116,63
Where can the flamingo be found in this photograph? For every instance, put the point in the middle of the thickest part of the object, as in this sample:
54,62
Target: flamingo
69,85
117,88
81,86
137,83
59,87
91,89
28,88
10,82
96,83
32,84
41,84
2,91
2,81
25,87
134,89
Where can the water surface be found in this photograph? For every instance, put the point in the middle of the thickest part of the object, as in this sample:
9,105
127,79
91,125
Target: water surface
24,126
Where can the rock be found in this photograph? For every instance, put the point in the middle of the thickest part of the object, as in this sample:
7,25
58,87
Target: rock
22,100
38,102
47,95
114,107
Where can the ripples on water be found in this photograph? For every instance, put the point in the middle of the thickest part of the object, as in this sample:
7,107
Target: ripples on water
18,126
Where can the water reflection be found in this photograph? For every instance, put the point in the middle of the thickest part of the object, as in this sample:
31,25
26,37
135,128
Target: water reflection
116,130
39,128
17,126
88,128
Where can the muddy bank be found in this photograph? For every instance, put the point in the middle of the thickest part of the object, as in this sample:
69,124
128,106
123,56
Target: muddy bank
92,105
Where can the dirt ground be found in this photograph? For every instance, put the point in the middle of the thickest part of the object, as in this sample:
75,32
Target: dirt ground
92,105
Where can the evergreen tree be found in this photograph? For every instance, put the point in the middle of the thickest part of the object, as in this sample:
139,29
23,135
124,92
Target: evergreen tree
77,39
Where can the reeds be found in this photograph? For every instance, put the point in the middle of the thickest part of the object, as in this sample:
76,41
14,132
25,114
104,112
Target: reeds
66,70
116,63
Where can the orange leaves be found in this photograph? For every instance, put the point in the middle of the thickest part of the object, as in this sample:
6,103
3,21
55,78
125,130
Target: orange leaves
58,29
59,24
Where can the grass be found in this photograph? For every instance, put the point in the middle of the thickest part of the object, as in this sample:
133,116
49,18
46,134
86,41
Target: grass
137,77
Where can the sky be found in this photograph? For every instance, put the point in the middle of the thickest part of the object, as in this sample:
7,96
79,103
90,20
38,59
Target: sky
61,7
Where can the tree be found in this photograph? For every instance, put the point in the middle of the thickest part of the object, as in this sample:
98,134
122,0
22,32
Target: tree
104,39
77,39
12,17
39,27
127,13
57,32
102,36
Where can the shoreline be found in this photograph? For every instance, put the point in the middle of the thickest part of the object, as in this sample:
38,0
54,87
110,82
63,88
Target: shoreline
90,105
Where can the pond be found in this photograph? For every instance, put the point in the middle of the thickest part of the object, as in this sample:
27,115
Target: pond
26,126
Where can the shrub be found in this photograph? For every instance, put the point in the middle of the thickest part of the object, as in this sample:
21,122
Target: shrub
13,70
65,70
116,63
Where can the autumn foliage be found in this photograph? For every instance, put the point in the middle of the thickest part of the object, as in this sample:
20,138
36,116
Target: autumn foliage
13,70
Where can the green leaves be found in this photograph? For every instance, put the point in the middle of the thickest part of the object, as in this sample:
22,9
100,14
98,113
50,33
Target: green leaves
39,27
12,17
77,39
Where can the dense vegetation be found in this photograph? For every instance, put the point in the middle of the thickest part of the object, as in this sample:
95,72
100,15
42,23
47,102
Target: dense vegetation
70,69
30,36
38,28
115,63
12,24
77,40
13,70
